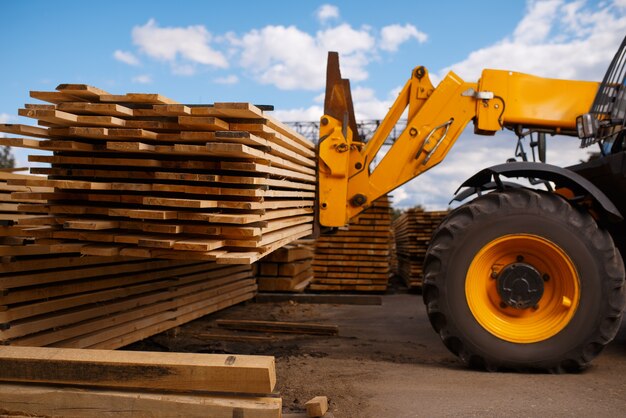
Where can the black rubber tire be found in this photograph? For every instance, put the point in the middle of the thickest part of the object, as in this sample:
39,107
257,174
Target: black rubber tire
468,228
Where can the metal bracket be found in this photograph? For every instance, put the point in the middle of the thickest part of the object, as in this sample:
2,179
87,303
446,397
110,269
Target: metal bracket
445,125
479,95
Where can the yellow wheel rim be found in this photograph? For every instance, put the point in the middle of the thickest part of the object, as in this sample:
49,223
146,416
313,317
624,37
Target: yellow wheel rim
555,309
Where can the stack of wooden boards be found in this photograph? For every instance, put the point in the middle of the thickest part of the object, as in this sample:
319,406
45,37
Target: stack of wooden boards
287,269
69,300
51,295
144,176
96,383
10,232
413,230
357,257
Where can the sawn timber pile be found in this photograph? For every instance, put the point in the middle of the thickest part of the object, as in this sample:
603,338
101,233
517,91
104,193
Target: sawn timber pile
287,269
51,295
357,257
144,176
413,230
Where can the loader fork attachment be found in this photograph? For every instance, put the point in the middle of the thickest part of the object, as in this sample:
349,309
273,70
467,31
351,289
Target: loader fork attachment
338,100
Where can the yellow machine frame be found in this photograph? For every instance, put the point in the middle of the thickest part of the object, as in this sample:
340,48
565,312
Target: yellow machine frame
436,116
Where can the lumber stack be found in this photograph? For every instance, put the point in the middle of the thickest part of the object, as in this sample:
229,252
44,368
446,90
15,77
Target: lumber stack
51,295
288,269
357,257
69,300
413,230
97,383
393,257
10,232
142,175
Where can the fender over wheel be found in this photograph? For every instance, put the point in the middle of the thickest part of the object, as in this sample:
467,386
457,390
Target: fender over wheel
521,279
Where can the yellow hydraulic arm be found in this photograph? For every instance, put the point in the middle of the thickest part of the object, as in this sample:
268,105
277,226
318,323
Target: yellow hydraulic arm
436,116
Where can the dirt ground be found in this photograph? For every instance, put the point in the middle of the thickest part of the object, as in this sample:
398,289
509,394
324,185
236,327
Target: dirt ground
387,362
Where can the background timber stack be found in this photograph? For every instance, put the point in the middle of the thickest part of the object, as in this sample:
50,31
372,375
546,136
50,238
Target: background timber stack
287,269
142,175
413,230
357,257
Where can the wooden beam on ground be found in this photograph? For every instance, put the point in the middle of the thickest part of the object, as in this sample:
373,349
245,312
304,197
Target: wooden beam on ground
316,407
135,369
335,299
30,400
278,326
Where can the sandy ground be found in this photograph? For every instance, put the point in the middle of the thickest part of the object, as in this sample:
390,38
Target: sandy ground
387,362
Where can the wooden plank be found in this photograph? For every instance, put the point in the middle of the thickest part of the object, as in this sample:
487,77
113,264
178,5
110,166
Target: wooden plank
21,143
164,314
99,109
268,269
290,254
211,336
145,370
98,283
138,284
73,273
278,326
55,96
91,224
137,98
316,407
84,91
190,313
284,284
334,299
293,269
204,122
26,130
31,400
36,249
53,116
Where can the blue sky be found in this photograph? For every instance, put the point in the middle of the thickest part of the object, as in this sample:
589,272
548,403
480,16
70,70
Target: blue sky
274,53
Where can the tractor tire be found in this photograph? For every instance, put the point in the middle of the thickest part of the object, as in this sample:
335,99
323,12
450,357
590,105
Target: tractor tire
522,280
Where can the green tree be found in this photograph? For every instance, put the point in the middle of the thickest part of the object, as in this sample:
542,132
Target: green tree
6,158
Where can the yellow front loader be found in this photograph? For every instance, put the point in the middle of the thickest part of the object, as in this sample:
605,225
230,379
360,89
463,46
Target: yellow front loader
522,276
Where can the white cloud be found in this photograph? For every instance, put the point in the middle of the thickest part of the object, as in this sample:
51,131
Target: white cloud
185,69
284,56
309,114
126,57
393,36
554,39
327,12
229,79
171,44
143,79
367,106
290,58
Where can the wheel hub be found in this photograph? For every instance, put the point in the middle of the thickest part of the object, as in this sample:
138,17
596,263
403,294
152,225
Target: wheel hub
520,285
